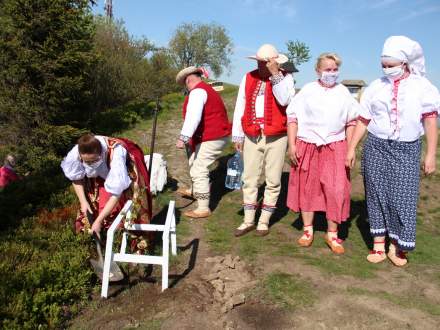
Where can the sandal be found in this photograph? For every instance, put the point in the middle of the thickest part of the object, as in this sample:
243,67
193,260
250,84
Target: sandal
185,192
243,229
335,243
397,257
376,256
307,238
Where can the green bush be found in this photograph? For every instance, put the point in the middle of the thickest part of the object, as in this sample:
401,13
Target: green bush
45,274
172,101
113,120
46,189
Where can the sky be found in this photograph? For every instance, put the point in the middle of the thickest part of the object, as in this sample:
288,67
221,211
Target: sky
354,29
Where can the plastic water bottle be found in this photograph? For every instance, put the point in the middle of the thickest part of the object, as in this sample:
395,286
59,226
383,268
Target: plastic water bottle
234,170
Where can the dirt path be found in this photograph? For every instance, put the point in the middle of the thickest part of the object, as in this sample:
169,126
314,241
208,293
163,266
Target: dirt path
189,303
392,298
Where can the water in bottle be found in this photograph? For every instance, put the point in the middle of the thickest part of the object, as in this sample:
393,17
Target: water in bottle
234,170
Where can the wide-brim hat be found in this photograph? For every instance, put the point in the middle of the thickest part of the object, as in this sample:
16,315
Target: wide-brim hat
267,52
288,67
181,76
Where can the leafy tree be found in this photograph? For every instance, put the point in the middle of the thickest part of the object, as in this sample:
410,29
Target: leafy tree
46,52
162,75
128,69
298,52
119,76
130,73
201,44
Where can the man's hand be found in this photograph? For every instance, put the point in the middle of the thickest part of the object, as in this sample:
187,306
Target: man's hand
273,66
180,144
238,146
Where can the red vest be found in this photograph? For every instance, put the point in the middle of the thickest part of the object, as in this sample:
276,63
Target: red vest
275,119
214,123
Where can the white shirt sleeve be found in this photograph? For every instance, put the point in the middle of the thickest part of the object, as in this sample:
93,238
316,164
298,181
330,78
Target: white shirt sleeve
72,166
295,104
284,91
117,179
365,109
430,98
237,129
196,102
352,107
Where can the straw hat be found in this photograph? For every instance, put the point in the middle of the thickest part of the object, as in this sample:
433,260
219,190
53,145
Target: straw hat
268,51
181,76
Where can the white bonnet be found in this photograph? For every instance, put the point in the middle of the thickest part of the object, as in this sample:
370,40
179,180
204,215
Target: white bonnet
406,50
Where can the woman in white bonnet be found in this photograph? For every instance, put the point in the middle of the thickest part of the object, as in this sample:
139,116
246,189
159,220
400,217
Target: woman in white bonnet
397,110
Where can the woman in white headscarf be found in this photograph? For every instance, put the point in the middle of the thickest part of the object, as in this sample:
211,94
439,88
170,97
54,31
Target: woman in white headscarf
397,110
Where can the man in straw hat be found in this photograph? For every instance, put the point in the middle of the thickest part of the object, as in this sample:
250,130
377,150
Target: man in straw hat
205,131
259,130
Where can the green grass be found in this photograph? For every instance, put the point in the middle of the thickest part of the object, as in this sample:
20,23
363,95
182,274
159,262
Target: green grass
140,132
427,248
434,210
226,218
279,242
288,291
414,299
154,324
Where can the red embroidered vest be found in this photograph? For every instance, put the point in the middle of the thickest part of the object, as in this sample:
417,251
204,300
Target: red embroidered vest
214,123
275,119
137,170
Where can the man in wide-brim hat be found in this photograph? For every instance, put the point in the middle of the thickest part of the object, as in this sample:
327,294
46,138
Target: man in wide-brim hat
205,132
259,131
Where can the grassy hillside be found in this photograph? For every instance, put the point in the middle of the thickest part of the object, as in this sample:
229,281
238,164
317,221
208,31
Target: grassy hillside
47,278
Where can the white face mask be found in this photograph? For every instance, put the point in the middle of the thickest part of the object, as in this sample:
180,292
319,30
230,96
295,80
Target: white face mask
394,72
329,78
91,169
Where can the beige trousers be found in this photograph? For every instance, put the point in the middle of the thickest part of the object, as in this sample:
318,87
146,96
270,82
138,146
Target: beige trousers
205,154
267,151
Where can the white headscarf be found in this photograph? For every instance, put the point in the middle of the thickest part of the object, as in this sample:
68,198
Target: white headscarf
406,50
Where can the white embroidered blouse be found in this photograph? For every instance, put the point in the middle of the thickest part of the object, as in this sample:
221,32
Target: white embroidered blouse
322,113
395,109
116,177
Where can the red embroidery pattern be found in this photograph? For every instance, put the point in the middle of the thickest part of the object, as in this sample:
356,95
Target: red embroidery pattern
253,101
364,120
394,115
432,114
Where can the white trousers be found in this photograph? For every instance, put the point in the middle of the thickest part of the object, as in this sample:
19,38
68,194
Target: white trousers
267,152
205,154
